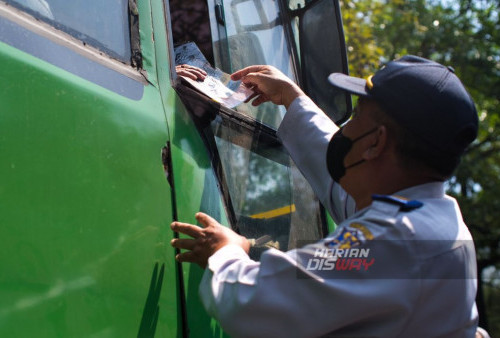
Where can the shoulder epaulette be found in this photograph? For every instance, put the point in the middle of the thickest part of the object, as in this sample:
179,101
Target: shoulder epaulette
404,204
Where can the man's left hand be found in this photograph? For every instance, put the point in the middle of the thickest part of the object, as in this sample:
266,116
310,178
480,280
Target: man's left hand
206,239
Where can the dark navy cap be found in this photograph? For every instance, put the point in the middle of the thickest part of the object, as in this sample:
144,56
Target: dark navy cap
424,97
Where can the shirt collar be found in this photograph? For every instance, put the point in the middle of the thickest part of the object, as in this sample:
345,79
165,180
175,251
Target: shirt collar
426,190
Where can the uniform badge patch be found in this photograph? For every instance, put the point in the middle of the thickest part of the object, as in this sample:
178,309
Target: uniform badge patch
350,236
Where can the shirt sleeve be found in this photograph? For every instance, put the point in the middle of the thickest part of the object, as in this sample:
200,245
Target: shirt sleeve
284,296
305,132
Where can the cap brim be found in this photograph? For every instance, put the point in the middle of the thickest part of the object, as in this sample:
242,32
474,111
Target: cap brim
353,85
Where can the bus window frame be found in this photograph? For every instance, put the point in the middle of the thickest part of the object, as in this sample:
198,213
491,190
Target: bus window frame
30,20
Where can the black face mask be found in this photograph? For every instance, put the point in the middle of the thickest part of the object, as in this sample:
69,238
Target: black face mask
338,149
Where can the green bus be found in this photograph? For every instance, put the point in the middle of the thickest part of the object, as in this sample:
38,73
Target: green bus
102,146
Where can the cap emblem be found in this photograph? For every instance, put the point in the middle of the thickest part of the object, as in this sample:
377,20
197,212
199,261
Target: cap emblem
369,82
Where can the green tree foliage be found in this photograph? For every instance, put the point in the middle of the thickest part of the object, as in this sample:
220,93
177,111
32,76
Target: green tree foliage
464,34
363,52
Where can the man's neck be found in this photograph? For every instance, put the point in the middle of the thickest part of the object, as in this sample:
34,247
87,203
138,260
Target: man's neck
390,187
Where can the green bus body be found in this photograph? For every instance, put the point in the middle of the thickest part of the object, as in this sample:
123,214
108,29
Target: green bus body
86,197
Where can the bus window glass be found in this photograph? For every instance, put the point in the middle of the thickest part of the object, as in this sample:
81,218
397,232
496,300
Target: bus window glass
310,20
251,34
272,203
101,24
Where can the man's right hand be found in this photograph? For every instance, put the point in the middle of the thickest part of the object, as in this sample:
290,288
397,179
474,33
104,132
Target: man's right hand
269,84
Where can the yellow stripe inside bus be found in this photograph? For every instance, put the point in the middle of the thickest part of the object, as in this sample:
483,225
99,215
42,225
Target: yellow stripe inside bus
275,212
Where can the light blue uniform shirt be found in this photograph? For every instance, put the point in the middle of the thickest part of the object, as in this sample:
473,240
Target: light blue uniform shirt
388,270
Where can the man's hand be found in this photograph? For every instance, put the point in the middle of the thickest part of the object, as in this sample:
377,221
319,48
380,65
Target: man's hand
191,72
206,240
269,84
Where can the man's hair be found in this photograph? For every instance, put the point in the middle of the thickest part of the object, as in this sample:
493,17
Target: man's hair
414,152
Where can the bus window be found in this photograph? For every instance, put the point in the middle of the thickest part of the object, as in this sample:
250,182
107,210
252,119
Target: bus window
196,21
273,205
251,32
317,30
294,36
101,24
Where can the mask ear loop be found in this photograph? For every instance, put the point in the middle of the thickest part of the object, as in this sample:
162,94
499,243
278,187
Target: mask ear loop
355,164
359,138
365,134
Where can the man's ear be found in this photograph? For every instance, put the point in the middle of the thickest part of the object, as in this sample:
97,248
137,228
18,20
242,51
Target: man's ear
378,145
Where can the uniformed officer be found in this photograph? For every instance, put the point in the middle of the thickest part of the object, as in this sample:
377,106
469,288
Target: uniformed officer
401,262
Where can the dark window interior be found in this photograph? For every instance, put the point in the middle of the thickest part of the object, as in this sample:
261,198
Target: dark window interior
190,23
